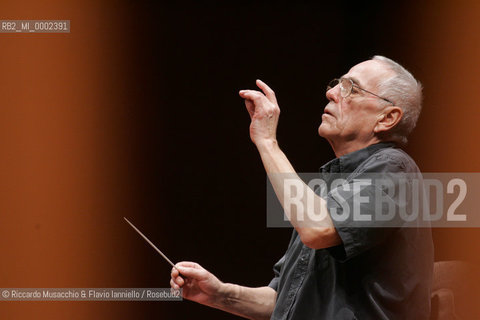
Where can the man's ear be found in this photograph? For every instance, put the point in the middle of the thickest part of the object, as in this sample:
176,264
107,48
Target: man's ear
388,119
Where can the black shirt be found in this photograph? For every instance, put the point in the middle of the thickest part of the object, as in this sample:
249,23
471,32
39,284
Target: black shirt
376,273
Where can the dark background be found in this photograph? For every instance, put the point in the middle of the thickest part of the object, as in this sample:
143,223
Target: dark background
147,123
209,191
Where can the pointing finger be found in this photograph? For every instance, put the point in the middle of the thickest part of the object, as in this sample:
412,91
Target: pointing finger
269,93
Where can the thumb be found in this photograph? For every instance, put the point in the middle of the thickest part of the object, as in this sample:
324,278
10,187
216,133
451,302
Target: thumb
193,273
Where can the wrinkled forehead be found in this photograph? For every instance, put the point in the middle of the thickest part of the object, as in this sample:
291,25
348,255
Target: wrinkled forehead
369,74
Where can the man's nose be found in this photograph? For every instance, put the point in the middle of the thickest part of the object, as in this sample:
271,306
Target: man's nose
333,94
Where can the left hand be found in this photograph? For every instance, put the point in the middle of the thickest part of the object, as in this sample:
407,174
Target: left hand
264,112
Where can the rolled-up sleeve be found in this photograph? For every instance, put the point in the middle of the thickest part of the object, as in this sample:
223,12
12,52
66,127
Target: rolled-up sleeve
356,221
355,240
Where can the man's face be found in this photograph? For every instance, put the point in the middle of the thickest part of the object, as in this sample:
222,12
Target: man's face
354,117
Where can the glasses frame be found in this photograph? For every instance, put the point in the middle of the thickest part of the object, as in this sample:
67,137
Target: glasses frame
339,82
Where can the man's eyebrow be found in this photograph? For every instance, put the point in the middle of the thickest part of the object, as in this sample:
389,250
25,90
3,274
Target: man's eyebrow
355,80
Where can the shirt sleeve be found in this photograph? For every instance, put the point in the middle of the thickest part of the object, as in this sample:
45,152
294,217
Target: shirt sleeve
360,236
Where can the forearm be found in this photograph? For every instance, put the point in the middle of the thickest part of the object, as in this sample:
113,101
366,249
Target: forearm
251,303
311,219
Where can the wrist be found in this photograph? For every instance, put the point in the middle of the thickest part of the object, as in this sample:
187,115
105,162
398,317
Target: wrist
267,144
224,294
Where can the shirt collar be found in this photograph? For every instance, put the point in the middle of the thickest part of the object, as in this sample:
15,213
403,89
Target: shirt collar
349,162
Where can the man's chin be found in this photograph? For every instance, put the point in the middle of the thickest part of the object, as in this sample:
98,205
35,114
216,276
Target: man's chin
323,130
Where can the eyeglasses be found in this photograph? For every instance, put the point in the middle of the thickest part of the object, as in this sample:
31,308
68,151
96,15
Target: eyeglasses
346,88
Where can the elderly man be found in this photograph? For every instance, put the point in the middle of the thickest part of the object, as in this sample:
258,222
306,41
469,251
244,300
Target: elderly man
333,269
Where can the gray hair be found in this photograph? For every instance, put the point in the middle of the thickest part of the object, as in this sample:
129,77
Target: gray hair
406,92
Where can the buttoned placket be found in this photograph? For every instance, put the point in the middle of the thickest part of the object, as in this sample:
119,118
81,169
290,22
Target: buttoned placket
298,277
